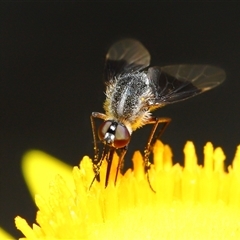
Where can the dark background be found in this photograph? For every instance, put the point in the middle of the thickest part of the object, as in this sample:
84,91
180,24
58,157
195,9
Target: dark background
52,79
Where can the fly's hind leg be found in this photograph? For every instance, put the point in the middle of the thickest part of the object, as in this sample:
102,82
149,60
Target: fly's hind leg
152,140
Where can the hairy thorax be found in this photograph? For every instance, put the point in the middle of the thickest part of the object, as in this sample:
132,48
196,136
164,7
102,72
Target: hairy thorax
128,99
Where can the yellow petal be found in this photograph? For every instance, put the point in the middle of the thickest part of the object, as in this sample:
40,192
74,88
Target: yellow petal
40,168
4,235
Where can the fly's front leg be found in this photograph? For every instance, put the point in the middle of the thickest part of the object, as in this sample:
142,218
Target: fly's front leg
96,161
96,170
94,132
151,141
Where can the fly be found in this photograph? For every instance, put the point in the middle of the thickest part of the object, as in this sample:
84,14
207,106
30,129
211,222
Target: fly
133,91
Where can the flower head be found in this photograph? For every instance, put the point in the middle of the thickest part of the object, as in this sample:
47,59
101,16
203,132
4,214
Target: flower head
191,202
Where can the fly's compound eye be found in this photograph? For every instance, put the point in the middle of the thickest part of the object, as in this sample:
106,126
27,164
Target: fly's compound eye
114,134
122,136
103,129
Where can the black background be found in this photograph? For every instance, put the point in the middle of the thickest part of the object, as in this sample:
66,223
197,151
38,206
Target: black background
52,79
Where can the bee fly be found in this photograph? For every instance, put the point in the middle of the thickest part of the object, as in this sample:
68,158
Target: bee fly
133,92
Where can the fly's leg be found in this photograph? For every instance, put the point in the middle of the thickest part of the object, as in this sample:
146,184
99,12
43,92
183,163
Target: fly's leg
96,162
96,170
151,141
94,132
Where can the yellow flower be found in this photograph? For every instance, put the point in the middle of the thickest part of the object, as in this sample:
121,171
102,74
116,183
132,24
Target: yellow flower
191,202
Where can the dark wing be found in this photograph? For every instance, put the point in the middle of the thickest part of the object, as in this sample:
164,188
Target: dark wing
126,56
179,82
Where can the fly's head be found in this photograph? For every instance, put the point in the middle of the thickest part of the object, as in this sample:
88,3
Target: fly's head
114,134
